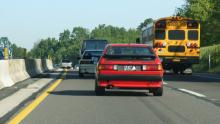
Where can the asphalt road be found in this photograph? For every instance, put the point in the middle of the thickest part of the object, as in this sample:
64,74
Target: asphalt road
74,102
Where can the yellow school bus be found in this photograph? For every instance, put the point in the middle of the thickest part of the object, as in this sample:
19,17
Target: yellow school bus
176,40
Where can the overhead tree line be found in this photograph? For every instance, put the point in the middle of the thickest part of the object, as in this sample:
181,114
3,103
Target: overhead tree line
69,43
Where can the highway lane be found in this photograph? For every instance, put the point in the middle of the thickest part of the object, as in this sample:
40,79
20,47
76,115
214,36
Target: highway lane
74,101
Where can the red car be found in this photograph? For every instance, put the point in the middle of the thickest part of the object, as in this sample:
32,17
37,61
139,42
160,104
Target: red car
129,66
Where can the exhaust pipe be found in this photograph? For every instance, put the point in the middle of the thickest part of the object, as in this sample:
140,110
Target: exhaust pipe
109,86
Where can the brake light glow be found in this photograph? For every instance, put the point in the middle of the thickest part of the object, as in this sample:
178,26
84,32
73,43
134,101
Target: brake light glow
160,44
164,44
152,67
192,45
107,67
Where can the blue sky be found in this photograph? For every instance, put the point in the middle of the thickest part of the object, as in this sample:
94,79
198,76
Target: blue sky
27,21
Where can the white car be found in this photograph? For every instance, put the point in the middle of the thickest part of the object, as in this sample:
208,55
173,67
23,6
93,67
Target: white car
76,67
66,63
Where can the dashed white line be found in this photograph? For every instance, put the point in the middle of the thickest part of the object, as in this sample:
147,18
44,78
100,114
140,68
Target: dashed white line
191,92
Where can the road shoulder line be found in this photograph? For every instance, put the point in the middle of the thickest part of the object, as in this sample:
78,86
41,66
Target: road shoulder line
28,109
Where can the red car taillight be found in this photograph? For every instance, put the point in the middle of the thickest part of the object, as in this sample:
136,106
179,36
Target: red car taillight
156,67
107,67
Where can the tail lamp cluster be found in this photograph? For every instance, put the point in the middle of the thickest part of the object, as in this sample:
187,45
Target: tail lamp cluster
153,67
192,45
156,67
160,44
107,67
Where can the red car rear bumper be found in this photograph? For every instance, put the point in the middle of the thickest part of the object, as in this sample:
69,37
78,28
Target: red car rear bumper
130,81
131,84
130,77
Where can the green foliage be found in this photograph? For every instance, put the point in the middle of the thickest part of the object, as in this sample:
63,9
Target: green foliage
18,52
145,23
203,66
67,46
115,34
47,48
69,43
197,9
208,11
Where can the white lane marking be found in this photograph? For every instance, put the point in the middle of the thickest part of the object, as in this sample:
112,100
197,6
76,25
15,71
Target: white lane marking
206,77
164,83
191,92
215,99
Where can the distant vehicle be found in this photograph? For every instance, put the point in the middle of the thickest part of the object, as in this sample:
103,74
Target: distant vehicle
93,44
76,67
129,66
66,63
89,61
176,41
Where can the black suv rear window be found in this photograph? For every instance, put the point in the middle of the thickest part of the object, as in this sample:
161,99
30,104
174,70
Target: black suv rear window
126,52
96,45
90,54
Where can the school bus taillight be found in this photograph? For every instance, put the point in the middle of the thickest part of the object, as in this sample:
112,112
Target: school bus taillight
160,44
192,45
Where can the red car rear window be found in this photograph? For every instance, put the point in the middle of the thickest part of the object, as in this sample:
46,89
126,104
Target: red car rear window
125,50
128,52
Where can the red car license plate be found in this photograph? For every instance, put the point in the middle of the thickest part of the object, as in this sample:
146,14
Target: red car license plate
129,68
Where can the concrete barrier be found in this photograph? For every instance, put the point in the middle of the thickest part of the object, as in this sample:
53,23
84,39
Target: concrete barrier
31,67
34,67
44,65
5,79
16,70
39,66
49,64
